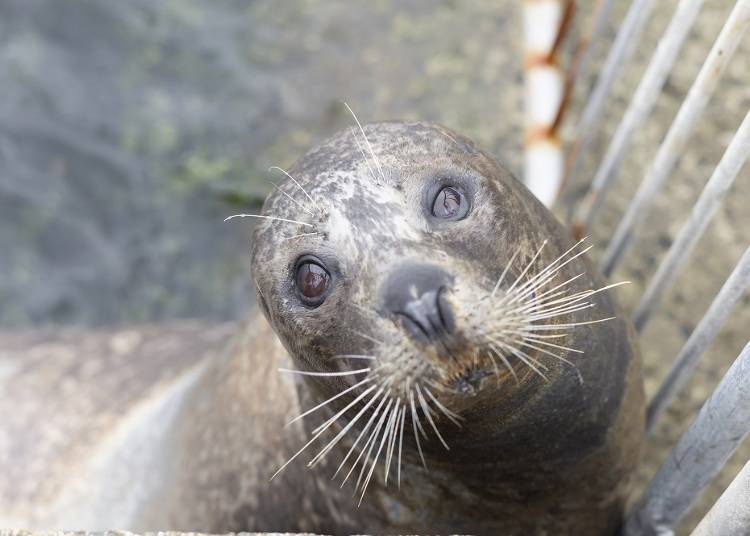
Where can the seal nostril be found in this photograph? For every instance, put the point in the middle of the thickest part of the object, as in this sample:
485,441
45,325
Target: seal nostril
427,318
413,293
445,312
415,328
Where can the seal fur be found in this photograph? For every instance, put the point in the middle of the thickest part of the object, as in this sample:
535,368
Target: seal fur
527,438
531,455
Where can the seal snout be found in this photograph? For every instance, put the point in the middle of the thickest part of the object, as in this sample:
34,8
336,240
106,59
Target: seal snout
414,294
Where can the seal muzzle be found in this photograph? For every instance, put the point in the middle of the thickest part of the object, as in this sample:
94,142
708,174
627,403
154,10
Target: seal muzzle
415,295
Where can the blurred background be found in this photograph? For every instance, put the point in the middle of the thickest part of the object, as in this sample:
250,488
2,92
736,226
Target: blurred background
130,129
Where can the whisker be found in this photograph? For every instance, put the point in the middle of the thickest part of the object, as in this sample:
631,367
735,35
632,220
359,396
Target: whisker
414,410
536,338
525,333
560,311
529,361
552,267
293,200
315,436
364,157
505,361
576,297
375,158
553,300
377,455
331,420
322,404
400,444
392,441
561,358
536,283
494,364
384,442
363,450
392,434
547,294
362,433
325,374
425,408
268,218
454,418
543,327
547,352
505,272
451,138
529,265
414,421
320,455
354,356
298,185
372,441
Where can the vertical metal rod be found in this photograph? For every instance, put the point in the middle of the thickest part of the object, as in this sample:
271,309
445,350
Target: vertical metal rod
735,285
721,425
639,108
711,198
731,513
591,118
594,34
679,132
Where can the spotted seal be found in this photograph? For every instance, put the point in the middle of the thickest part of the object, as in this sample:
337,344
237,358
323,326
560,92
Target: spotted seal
447,327
449,356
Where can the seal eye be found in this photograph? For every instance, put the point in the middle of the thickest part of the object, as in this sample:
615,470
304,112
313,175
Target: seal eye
449,204
312,281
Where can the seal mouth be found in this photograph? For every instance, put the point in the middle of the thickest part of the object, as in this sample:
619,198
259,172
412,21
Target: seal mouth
484,369
470,382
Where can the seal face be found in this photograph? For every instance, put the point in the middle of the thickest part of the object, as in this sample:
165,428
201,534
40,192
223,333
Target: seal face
423,293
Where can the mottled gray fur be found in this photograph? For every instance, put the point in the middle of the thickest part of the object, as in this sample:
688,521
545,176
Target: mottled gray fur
182,435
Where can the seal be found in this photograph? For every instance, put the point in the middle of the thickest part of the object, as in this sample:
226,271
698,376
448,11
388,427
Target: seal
448,354
443,319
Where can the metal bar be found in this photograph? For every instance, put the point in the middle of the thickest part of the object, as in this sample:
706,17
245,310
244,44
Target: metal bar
711,198
721,425
730,515
675,140
735,285
592,115
594,34
639,109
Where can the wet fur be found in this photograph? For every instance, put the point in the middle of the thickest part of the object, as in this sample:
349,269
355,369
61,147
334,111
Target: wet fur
530,457
525,448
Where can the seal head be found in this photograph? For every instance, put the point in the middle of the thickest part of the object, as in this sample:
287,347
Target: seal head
419,286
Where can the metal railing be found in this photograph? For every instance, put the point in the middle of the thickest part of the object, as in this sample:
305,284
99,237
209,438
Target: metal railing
724,419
